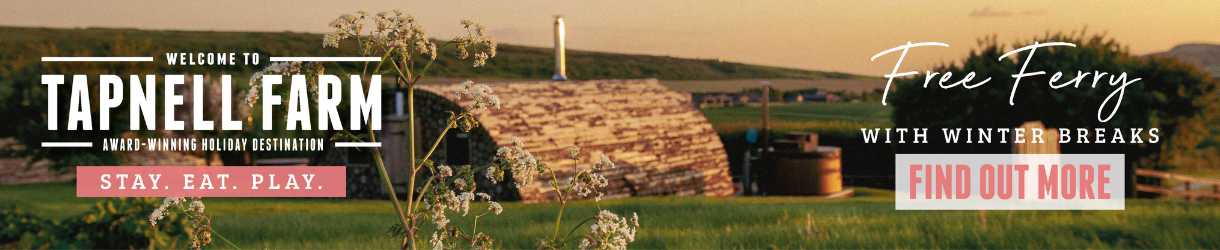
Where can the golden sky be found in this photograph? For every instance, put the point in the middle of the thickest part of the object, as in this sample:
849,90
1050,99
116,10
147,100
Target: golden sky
819,35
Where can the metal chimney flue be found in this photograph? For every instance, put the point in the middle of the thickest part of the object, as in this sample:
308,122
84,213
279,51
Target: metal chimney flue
560,69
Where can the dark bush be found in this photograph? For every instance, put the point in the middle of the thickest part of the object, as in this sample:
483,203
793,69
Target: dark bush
115,223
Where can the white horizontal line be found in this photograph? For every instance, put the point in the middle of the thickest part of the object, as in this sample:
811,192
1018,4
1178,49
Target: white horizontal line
326,59
357,144
95,59
67,144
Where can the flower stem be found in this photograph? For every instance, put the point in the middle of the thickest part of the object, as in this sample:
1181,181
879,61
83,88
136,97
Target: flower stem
411,185
475,228
555,237
385,178
438,142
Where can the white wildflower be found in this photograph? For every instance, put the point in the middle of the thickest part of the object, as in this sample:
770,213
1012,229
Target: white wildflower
330,40
584,244
459,183
432,50
481,91
603,163
586,182
520,161
483,196
459,203
277,68
173,201
440,220
480,95
610,232
438,243
635,219
574,151
156,215
196,206
491,45
495,207
525,167
505,152
465,88
494,174
494,101
161,211
345,26
444,171
480,59
476,36
437,210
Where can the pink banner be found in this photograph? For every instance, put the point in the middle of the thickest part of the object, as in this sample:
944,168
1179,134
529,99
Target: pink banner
211,181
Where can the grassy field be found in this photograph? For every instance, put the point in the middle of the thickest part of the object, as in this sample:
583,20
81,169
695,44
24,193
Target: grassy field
854,84
865,221
843,118
842,111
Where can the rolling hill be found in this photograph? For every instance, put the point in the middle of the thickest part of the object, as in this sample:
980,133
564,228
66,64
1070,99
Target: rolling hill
21,45
1206,56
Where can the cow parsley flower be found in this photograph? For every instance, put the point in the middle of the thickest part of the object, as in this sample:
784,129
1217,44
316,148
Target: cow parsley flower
495,207
491,45
431,50
480,95
330,40
494,101
438,243
520,161
157,214
347,25
573,152
610,232
172,201
586,182
603,163
635,219
480,59
476,37
444,171
196,206
459,203
277,68
494,174
438,214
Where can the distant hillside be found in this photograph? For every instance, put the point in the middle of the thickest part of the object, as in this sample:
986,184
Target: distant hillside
1206,56
20,45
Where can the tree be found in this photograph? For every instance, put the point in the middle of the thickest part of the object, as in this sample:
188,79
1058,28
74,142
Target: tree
25,106
1175,97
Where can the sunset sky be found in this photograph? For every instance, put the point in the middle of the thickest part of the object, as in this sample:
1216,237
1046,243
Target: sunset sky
818,35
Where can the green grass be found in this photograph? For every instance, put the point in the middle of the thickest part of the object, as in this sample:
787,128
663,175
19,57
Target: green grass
863,112
855,84
841,118
866,221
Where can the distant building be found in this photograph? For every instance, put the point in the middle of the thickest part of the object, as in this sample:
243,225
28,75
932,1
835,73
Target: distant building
819,97
712,100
